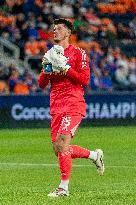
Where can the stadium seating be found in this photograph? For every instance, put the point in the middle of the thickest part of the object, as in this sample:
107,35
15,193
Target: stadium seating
106,31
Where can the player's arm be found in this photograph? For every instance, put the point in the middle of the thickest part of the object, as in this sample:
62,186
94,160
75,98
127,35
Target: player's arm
43,79
81,77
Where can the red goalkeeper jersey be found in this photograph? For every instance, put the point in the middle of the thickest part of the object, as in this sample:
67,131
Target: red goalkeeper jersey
67,94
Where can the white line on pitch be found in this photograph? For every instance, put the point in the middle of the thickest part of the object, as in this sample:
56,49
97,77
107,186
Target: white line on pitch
8,164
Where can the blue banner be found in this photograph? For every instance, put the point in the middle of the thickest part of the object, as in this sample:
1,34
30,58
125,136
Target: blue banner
113,106
30,111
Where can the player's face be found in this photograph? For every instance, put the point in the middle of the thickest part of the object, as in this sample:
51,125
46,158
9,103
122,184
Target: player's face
61,32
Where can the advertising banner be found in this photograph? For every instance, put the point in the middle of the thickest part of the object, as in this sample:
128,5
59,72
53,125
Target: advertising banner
34,111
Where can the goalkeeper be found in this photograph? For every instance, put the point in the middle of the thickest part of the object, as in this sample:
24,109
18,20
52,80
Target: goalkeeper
66,67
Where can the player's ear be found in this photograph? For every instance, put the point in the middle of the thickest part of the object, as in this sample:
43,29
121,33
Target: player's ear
69,32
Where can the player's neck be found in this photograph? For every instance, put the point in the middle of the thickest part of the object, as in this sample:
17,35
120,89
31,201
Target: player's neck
64,44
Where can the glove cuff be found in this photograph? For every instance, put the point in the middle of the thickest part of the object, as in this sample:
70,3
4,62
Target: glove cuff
47,68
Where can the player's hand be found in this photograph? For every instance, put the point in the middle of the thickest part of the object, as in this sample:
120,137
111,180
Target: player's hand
62,71
49,69
45,63
56,56
65,69
54,61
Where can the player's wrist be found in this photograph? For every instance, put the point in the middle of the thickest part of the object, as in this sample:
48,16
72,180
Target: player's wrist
47,69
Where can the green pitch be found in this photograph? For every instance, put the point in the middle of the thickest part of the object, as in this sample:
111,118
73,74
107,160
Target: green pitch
28,170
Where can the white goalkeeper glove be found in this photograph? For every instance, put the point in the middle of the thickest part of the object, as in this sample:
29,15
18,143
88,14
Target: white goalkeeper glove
55,57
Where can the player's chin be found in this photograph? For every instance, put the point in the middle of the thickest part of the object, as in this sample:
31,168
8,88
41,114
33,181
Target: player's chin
56,40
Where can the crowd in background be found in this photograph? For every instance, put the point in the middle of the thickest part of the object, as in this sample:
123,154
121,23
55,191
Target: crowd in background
106,30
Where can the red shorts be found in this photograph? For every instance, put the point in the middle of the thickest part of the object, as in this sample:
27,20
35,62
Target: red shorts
65,124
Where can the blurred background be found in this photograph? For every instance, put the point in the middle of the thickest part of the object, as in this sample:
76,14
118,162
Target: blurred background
106,29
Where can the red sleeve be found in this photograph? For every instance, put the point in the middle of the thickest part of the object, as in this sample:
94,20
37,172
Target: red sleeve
82,75
43,79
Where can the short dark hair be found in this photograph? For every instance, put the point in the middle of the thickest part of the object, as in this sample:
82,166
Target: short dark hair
67,23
